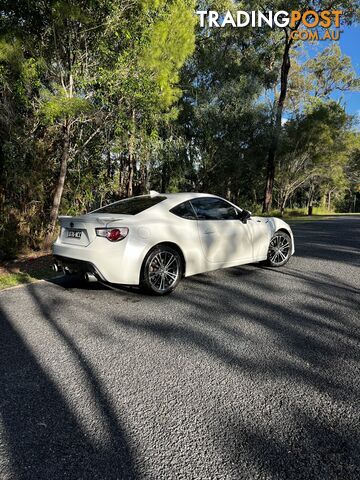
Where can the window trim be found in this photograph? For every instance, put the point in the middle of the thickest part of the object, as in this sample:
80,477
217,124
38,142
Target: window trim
183,218
162,197
214,219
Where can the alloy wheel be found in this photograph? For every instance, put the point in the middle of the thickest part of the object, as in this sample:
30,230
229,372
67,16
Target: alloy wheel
164,271
279,249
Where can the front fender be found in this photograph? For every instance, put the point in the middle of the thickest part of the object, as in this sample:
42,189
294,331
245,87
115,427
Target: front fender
277,224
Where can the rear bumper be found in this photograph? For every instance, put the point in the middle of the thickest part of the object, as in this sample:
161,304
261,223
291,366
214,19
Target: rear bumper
78,266
118,262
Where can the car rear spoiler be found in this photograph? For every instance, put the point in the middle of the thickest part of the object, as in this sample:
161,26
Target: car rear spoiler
103,220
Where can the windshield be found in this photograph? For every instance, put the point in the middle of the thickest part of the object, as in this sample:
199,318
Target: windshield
131,206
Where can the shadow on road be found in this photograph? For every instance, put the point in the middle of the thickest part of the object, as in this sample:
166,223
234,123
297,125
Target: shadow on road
316,341
312,343
290,333
314,449
43,435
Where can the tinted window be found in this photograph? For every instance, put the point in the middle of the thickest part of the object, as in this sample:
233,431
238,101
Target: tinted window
213,209
184,210
132,206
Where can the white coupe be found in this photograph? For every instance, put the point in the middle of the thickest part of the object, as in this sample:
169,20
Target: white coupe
155,240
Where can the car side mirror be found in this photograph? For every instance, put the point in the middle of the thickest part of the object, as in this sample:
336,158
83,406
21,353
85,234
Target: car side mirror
244,216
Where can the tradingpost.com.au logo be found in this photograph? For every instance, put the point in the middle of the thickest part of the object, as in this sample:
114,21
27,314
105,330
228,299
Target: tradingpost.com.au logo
303,25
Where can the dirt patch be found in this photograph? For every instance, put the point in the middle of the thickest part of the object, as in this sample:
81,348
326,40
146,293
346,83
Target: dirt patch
37,265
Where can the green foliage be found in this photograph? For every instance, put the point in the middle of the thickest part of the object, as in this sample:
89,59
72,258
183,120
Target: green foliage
10,53
171,41
153,4
60,107
315,148
330,70
63,11
136,96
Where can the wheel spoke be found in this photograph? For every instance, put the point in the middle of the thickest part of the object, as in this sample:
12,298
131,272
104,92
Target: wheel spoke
156,261
156,279
163,270
282,255
170,262
173,276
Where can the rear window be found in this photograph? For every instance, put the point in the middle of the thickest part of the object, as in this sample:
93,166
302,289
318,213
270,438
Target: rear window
131,206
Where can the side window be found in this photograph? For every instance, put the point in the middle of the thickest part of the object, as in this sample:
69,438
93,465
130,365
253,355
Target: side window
209,208
184,210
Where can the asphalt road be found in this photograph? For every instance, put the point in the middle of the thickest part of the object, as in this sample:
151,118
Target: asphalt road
245,373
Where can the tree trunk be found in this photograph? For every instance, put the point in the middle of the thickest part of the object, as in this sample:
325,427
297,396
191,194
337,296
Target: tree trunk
165,178
129,189
254,194
130,186
109,165
144,177
329,201
59,187
324,201
283,205
270,173
122,177
310,202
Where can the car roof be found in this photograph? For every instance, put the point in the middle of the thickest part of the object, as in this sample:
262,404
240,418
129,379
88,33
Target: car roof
173,199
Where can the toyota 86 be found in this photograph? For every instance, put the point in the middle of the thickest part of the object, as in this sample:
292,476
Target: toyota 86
154,240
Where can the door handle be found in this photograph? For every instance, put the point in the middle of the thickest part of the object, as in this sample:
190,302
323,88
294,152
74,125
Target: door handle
208,233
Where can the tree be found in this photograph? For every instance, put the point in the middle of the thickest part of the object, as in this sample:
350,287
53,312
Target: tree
314,151
221,117
288,44
109,72
102,100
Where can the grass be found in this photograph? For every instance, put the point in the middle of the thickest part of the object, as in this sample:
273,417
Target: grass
25,270
315,217
13,279
300,214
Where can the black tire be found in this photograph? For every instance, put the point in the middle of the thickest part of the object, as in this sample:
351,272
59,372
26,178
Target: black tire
280,249
162,270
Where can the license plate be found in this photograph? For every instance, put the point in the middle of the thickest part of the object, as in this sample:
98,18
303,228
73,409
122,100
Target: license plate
74,233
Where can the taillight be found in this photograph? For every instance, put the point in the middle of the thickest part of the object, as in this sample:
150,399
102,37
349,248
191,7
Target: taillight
112,234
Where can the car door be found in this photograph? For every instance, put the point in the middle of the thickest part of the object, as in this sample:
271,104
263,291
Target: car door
261,235
224,238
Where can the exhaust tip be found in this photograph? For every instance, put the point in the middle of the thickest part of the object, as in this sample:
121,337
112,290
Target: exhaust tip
90,278
55,267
